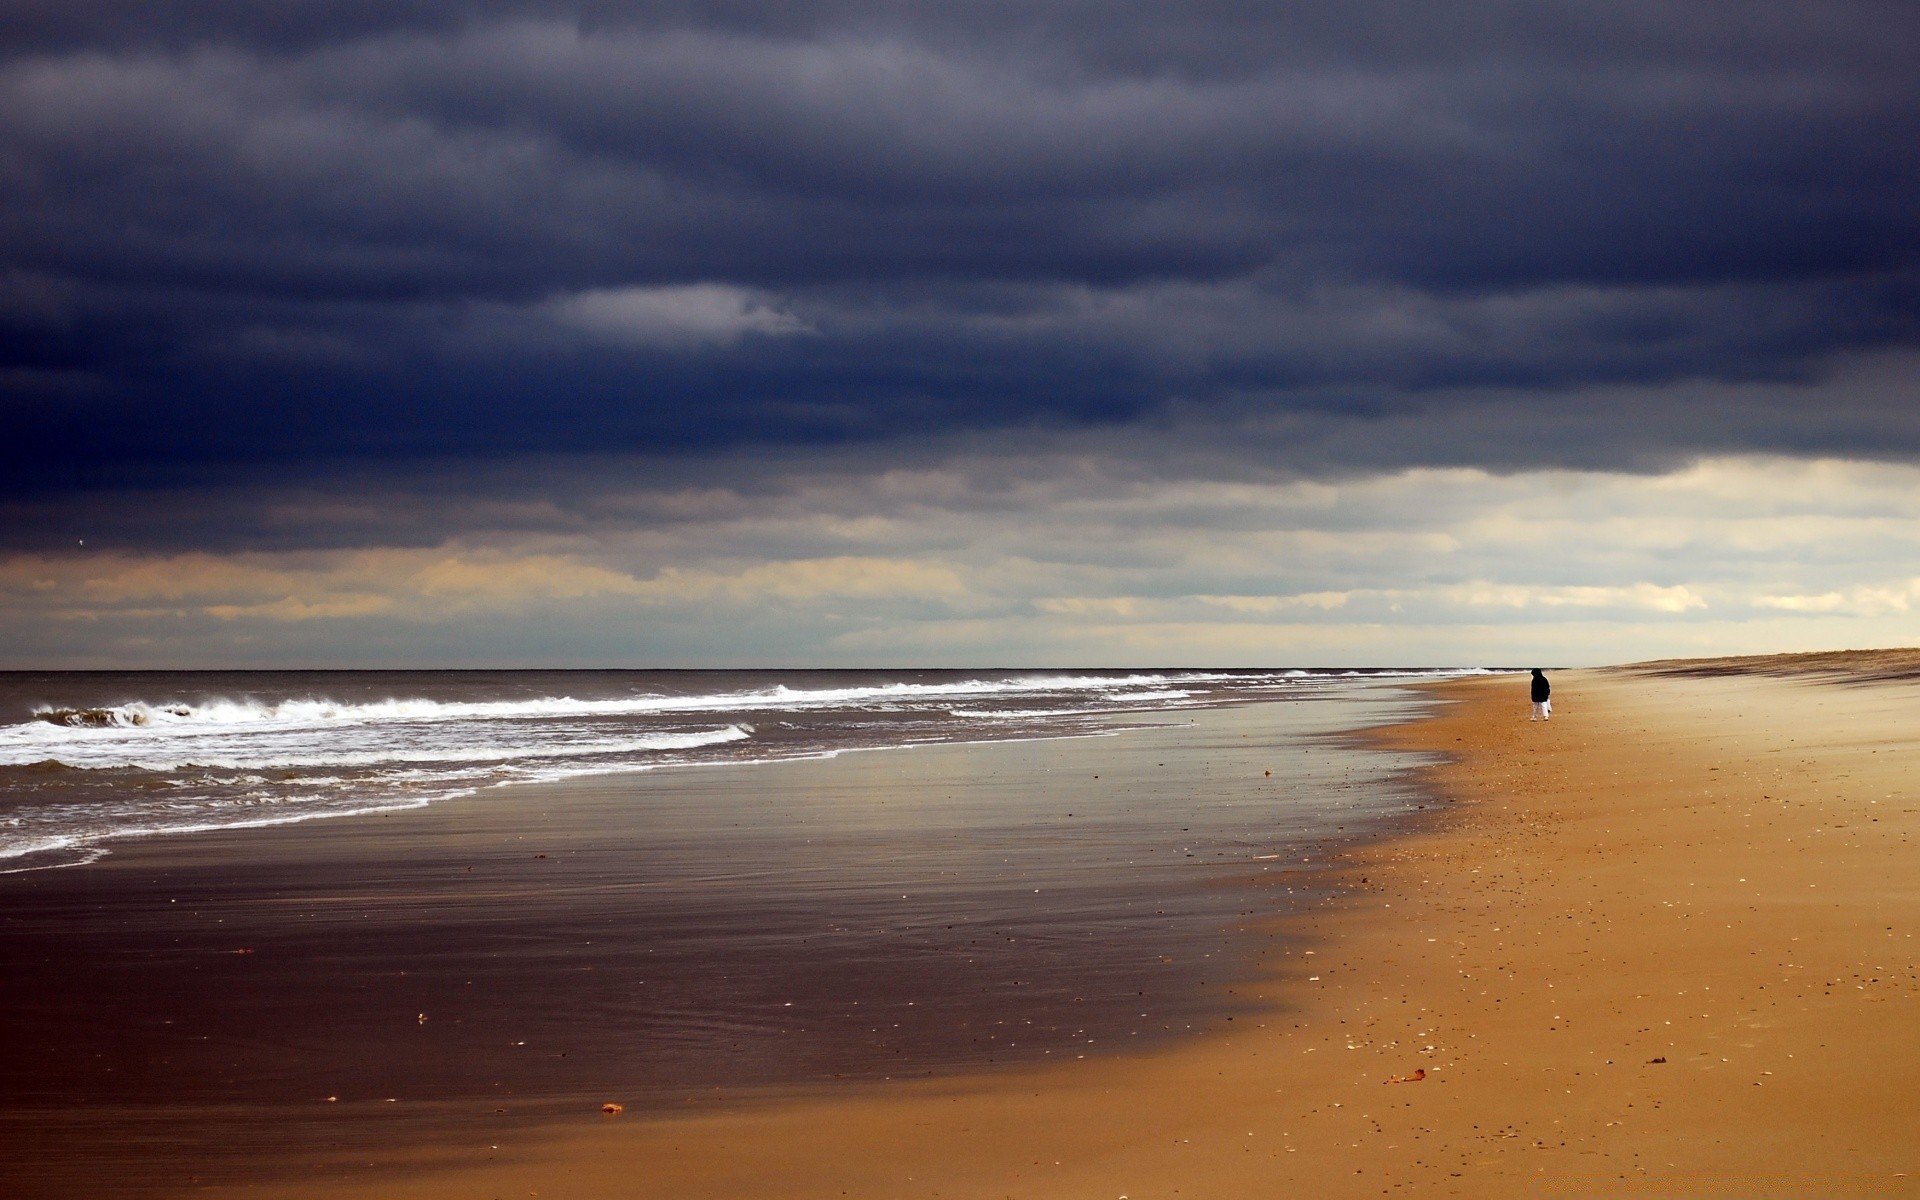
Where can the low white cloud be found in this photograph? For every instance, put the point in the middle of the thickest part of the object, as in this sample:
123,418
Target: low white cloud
680,315
1652,597
839,577
1106,607
1271,604
1824,602
1862,601
293,608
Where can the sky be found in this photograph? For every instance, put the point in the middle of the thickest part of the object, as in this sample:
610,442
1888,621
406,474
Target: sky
863,333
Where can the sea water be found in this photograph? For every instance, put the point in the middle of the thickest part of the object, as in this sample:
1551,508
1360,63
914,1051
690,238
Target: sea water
91,758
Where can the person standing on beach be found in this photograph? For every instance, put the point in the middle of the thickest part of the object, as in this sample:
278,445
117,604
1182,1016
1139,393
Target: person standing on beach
1542,697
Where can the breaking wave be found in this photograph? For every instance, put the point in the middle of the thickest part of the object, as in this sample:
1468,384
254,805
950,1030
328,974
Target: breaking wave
223,752
138,714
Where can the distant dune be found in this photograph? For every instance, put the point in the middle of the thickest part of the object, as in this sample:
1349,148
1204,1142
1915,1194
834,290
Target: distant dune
1900,663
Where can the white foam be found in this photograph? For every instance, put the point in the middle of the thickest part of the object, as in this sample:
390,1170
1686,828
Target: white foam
281,753
179,715
1016,713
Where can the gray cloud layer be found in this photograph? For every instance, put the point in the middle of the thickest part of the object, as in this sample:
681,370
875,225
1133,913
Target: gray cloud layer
1343,234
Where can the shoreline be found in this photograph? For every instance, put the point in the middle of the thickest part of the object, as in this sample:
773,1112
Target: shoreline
486,917
95,846
1660,946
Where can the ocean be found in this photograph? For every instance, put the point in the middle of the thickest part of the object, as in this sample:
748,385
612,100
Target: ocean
88,759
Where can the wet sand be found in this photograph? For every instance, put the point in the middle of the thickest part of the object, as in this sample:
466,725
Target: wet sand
1661,946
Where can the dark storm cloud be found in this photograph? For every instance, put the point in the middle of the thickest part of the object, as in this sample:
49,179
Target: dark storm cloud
237,233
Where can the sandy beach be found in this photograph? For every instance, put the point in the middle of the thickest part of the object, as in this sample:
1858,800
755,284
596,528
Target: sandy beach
1660,946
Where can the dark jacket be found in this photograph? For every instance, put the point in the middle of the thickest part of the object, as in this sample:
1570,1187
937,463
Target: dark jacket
1541,688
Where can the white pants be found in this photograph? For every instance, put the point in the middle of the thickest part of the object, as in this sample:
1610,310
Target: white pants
1542,711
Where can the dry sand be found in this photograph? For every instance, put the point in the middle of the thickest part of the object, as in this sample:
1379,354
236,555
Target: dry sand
1662,946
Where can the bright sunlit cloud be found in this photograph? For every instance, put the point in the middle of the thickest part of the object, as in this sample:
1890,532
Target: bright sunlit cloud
667,316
